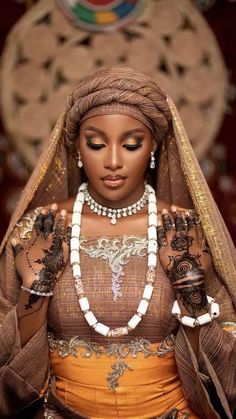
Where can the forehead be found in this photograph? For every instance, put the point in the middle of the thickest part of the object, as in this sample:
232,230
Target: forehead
109,123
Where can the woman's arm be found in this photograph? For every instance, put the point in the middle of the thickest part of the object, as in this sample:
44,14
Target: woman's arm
24,354
204,353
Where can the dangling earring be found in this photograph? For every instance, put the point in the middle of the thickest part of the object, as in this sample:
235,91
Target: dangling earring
152,161
80,163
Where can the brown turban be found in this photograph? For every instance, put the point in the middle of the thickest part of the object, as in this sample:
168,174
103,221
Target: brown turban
118,90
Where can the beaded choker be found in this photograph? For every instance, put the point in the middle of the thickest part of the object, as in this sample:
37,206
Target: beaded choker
115,213
150,275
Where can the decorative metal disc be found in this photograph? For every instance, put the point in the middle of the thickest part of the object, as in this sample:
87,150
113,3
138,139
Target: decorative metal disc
100,15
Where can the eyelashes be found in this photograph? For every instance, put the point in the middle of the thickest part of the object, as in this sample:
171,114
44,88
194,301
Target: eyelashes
132,146
127,146
95,146
98,146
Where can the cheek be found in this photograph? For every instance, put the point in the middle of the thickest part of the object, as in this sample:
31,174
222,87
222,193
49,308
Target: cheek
139,159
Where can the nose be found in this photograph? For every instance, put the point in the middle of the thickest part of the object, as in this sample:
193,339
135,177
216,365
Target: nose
113,158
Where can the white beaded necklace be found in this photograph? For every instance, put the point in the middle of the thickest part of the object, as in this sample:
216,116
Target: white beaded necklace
114,213
150,275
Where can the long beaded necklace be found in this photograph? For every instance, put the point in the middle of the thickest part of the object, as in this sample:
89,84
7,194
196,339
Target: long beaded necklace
150,275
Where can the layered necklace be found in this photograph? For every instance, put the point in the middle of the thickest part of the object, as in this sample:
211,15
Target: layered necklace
83,196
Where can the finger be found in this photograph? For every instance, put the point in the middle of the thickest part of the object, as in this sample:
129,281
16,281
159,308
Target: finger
167,220
196,227
60,227
68,234
181,240
48,222
161,234
169,225
38,224
17,247
189,220
180,225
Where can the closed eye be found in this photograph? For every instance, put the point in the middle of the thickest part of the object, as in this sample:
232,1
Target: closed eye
132,146
95,146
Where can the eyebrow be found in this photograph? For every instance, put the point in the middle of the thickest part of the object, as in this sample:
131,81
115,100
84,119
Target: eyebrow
132,131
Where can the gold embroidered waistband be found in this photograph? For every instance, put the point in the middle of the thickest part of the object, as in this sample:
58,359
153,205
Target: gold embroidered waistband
77,346
119,350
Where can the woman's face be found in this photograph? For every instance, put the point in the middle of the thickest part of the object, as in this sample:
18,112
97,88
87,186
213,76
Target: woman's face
115,151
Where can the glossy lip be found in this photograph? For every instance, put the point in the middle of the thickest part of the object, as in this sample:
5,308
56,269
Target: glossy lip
113,178
113,181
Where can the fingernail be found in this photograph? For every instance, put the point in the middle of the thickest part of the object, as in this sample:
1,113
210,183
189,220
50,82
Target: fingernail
173,208
164,211
13,242
63,212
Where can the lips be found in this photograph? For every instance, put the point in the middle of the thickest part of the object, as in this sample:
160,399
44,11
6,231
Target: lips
113,181
113,178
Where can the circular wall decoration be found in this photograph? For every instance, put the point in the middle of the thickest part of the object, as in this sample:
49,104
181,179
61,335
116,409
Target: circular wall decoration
46,56
100,15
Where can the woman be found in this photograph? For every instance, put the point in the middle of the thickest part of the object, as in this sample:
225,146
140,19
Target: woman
121,299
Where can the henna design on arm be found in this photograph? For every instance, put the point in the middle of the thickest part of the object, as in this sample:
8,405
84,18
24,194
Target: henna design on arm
188,277
185,269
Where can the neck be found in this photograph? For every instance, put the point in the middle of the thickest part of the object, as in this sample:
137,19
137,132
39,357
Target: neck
115,201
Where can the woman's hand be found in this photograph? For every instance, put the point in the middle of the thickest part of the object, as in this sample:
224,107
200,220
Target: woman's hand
185,258
41,261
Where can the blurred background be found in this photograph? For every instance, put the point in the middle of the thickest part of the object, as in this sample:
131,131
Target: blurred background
187,46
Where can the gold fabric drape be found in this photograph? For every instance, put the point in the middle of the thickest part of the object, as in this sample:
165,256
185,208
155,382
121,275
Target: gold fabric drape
179,181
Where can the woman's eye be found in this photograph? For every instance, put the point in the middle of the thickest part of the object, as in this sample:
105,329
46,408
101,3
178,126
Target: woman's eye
132,146
94,143
95,146
133,143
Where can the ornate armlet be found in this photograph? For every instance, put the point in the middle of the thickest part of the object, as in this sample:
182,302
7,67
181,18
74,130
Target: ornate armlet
213,312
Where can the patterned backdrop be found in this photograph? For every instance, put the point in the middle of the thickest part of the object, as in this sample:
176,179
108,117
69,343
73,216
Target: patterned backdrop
39,69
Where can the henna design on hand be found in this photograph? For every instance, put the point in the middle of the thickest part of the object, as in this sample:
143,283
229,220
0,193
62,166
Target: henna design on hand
53,263
38,225
68,235
180,225
48,223
161,236
188,277
167,222
181,242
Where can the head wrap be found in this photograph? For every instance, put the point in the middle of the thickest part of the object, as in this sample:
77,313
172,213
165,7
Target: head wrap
118,91
179,179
